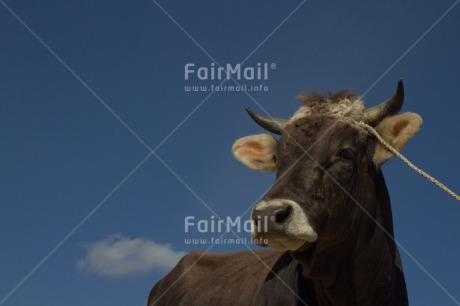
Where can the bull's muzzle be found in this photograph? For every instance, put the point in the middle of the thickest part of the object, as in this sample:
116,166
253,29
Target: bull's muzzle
272,217
282,224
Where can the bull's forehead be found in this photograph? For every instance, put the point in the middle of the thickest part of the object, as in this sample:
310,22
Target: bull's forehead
326,123
349,109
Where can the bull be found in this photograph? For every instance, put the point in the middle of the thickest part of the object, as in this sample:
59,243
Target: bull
327,217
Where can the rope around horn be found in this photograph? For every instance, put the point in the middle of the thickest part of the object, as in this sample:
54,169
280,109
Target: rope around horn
411,165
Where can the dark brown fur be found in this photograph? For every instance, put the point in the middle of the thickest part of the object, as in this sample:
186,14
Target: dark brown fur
354,261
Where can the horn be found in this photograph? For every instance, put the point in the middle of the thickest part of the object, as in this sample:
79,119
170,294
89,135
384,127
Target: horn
274,125
374,115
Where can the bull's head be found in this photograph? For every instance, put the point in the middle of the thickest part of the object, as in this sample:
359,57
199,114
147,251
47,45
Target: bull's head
327,167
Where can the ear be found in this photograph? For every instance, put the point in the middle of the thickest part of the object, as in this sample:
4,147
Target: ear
396,131
258,152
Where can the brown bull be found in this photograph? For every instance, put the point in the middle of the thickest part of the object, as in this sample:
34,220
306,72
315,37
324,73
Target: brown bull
327,217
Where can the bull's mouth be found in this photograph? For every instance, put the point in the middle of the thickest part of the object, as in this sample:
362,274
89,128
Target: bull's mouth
280,243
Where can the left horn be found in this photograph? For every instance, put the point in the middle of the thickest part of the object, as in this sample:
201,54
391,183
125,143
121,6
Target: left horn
274,125
374,115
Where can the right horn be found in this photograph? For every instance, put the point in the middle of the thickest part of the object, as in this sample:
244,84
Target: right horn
374,115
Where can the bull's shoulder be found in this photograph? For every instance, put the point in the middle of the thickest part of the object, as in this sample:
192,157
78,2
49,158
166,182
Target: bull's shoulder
170,289
210,278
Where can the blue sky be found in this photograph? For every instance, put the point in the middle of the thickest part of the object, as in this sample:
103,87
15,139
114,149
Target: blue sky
88,217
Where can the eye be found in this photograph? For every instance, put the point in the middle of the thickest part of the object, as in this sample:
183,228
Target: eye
274,159
347,154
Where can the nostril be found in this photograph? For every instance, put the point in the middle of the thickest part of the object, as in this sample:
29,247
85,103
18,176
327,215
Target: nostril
281,214
254,219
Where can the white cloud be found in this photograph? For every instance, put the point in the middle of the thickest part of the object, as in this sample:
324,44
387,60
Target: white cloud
119,256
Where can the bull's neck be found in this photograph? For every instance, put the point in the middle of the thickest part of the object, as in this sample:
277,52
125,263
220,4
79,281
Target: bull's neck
363,271
366,275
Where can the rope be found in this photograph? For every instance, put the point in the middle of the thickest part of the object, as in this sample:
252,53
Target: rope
411,165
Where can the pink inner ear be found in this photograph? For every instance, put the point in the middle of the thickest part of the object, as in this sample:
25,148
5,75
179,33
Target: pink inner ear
254,145
398,127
